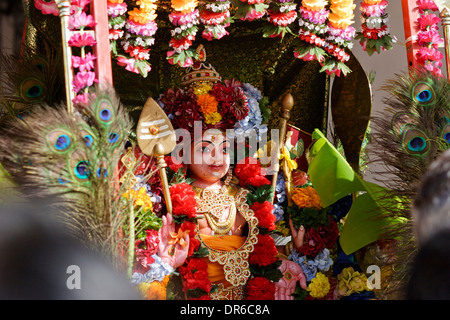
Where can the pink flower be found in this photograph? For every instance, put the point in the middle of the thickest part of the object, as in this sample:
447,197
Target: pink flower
80,3
429,37
84,64
81,20
83,79
82,99
428,21
81,40
427,5
130,64
47,7
253,15
424,54
186,63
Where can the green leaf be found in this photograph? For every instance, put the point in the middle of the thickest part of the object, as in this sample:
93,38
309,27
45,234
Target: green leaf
259,194
270,272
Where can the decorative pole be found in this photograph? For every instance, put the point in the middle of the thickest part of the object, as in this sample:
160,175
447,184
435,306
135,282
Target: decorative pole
286,106
64,14
159,153
445,20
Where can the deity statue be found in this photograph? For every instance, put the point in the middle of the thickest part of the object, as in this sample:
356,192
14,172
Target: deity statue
217,214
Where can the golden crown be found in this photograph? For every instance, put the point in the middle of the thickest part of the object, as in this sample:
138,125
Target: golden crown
200,71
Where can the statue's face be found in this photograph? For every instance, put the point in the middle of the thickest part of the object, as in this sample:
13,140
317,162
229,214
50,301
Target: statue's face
210,157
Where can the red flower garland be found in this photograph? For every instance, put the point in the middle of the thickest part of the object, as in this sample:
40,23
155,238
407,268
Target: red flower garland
260,288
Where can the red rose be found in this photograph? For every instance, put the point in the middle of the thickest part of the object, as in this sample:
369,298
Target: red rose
265,251
263,211
260,288
183,200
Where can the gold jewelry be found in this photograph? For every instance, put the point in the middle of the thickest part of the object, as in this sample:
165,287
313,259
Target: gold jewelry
229,176
212,204
235,263
230,293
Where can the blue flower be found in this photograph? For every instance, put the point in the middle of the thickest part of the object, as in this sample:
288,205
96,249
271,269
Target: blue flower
323,261
158,270
308,266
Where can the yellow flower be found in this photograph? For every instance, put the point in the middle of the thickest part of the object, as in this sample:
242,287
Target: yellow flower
147,6
141,198
115,1
184,6
287,161
314,5
306,198
202,88
141,17
319,286
154,290
351,281
282,228
341,13
208,103
213,118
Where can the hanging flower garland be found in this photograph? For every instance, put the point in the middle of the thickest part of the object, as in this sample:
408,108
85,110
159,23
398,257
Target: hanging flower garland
185,18
249,10
84,78
216,17
281,14
47,7
428,37
340,36
136,41
313,17
374,35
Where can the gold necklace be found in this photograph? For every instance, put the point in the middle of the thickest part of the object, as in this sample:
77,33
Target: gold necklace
235,263
212,204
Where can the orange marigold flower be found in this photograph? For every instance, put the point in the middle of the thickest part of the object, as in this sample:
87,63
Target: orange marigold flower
154,290
184,6
306,198
141,17
208,103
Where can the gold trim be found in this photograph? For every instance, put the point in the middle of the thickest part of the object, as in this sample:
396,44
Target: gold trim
235,263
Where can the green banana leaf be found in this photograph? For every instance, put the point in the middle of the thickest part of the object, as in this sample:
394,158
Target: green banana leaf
333,178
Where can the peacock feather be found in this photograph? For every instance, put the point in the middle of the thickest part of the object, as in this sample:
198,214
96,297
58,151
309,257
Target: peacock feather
71,159
406,138
32,77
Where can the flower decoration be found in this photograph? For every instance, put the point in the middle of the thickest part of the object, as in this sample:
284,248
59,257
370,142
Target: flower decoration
216,17
374,36
351,281
324,33
281,14
319,286
249,10
47,7
185,18
84,78
428,37
260,288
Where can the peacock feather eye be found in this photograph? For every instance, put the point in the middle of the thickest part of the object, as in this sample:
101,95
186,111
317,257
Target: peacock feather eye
32,89
62,142
59,140
105,111
102,172
415,141
113,137
82,170
423,94
88,140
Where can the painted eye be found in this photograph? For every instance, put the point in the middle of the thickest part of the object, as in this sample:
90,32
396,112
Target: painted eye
423,94
81,170
62,142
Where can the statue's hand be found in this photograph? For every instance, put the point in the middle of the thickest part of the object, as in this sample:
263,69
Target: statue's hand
173,247
298,236
292,273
